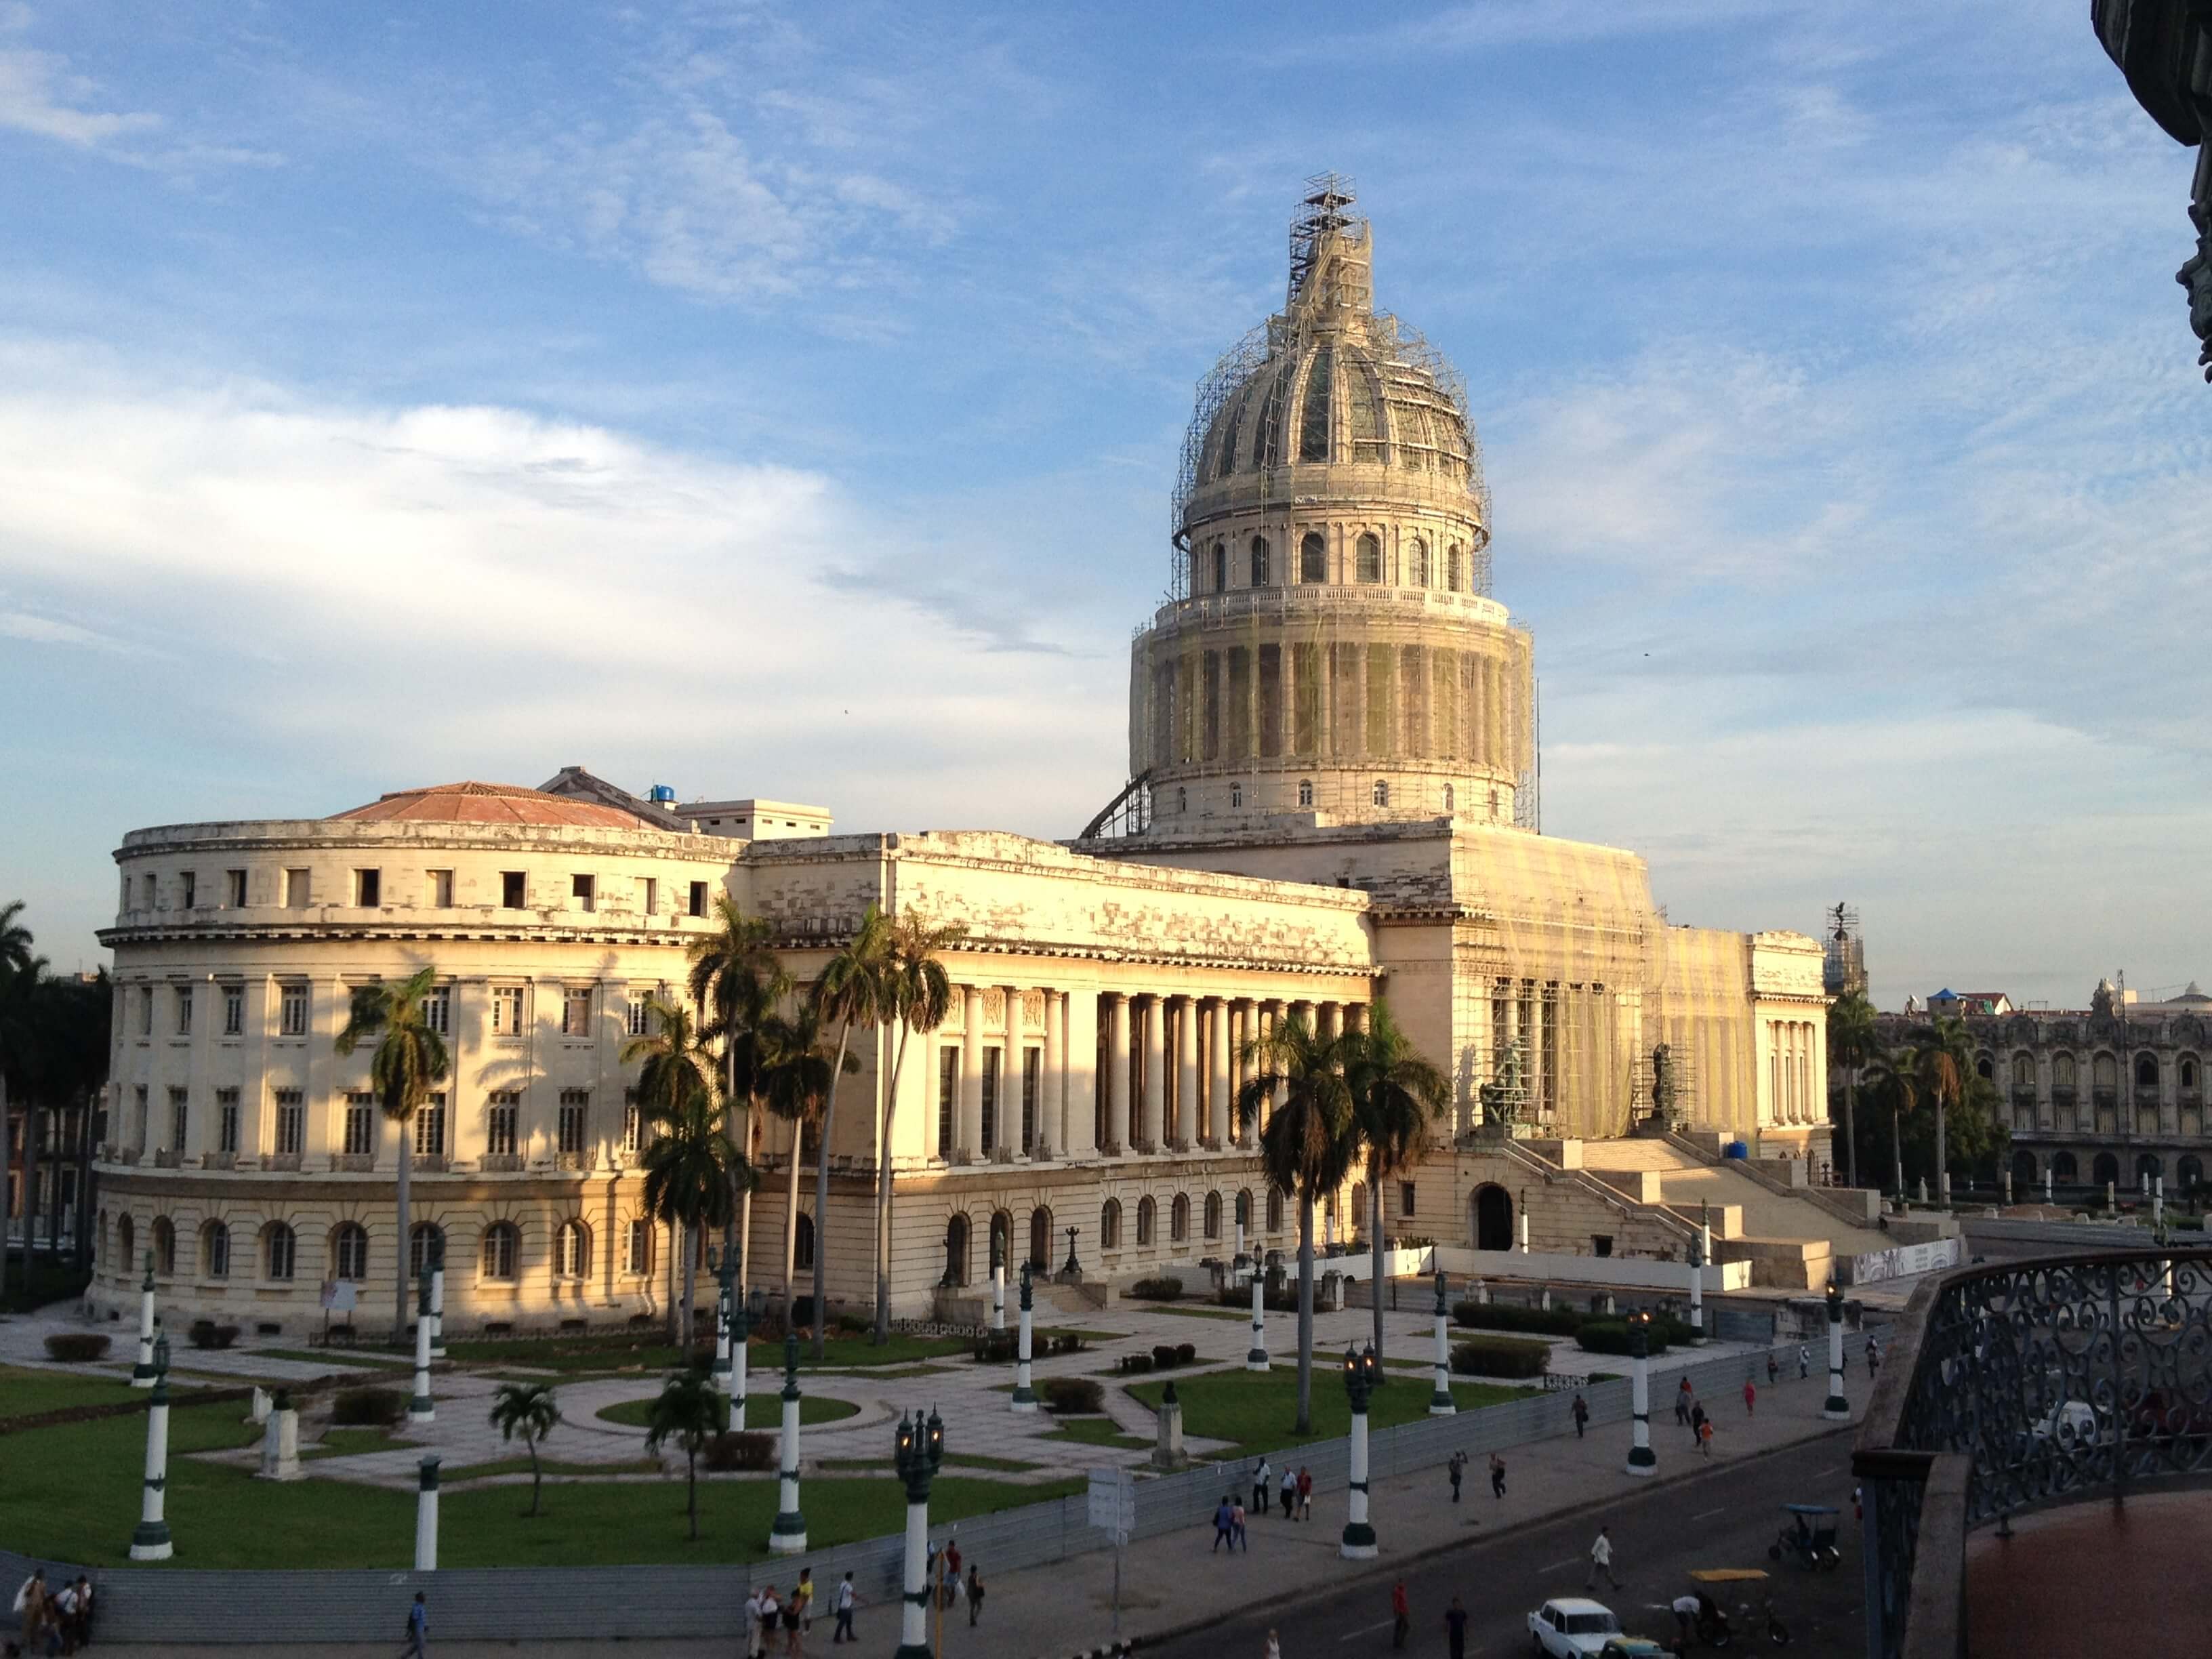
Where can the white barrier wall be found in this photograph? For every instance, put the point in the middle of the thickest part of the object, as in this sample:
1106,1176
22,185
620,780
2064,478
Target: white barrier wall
1626,1272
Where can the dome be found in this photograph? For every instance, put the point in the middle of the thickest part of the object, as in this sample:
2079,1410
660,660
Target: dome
491,803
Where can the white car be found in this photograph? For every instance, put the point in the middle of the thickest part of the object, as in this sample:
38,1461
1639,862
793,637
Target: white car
1571,1626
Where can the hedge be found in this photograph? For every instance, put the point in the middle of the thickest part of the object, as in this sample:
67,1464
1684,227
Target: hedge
76,1347
742,1450
206,1333
1503,1316
1157,1289
1499,1356
1612,1336
367,1408
1073,1395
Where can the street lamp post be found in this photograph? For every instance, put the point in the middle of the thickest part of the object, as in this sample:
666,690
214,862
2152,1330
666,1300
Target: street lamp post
1024,1400
1440,1397
998,1281
1701,1248
1360,1370
426,1515
787,1536
725,1271
1255,1357
741,1328
419,1408
150,1540
1642,1462
142,1374
434,1254
1837,1409
918,1449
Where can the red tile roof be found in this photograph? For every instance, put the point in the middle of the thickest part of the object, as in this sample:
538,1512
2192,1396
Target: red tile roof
492,803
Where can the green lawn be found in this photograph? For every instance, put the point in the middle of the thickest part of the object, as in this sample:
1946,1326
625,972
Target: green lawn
1253,1410
25,1391
547,1466
763,1411
1098,1431
352,1443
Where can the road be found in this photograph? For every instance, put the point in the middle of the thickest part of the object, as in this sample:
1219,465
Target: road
1723,1519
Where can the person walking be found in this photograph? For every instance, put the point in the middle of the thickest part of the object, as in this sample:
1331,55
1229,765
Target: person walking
1582,1413
1683,1402
952,1574
1455,1628
77,1632
1224,1522
1804,1362
754,1646
1305,1493
1454,1471
418,1631
792,1611
771,1618
1236,1533
1874,1361
845,1597
1290,1494
802,1599
1497,1476
1263,1486
1773,1369
1750,1396
1697,1420
1705,1437
975,1596
1401,1615
1601,1560
1275,1647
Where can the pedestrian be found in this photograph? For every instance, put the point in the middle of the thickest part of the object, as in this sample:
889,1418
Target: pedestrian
1874,1361
1305,1493
1455,1470
1224,1521
1582,1413
1262,1485
418,1631
802,1601
1236,1533
1804,1362
1290,1493
753,1644
31,1608
1455,1628
1750,1396
1275,1647
771,1618
1497,1475
1683,1402
975,1596
61,1632
846,1596
1686,1620
793,1610
1773,1369
952,1573
81,1625
1697,1420
1705,1437
1401,1615
1601,1560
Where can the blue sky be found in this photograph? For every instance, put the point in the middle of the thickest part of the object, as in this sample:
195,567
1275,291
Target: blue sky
785,401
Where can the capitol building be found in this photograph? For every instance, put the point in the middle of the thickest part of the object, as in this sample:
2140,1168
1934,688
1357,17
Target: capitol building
1331,798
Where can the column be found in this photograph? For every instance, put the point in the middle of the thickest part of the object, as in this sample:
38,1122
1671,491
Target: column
419,1408
1255,1357
1836,1409
1216,1094
1332,1019
1642,1462
1052,1079
968,1125
150,1540
1440,1397
1156,1071
1282,1091
1009,1073
1079,1078
1117,1073
1188,1127
787,1532
142,1375
436,1252
426,1515
1024,1400
1357,1543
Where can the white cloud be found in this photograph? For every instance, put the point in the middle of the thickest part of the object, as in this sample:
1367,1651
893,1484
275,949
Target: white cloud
39,96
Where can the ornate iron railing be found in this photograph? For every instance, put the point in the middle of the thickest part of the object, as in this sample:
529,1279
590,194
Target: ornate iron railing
2020,1385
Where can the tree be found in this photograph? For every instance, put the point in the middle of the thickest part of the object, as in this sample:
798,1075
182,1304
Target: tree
917,995
1396,1094
688,1411
691,1170
528,1409
19,971
1943,1060
1891,1080
851,989
737,979
796,1077
1853,1040
1307,1146
409,1060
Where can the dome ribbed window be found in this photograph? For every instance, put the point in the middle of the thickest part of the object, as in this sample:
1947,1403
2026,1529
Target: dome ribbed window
1312,423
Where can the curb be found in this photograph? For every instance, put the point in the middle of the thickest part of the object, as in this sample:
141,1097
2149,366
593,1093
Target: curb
1396,1563
1109,1652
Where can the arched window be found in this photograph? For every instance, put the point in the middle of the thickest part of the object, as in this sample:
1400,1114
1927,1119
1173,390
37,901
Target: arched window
126,1244
2023,1071
1451,799
1147,1219
572,1250
501,1242
1306,792
278,1248
1261,574
1196,566
1986,1067
802,1253
1369,560
1221,567
1358,1206
214,1251
2023,1171
956,1250
1214,1215
2188,1073
2146,1072
640,1260
2190,1172
1244,1207
2063,1170
2061,1071
2149,1168
1041,1239
1417,570
1455,568
1179,1218
1236,795
426,1243
1274,1210
1109,1225
165,1247
1313,558
2105,1169
1380,794
1183,799
2103,1072
349,1252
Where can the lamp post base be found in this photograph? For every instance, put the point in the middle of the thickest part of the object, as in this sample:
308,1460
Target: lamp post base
1359,1542
420,1410
150,1541
1642,1462
1024,1400
1837,1410
789,1535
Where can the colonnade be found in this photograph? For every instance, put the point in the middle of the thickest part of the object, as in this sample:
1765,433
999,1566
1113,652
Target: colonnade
1790,1097
1147,1106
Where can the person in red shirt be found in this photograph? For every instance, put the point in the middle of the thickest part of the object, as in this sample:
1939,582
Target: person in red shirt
1750,1395
1401,1615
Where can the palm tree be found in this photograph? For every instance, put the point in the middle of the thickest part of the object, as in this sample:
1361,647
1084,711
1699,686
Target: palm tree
1889,1078
691,1167
1943,1057
796,1077
736,980
851,991
688,1411
1394,1094
917,995
411,1058
528,1409
1853,1041
1307,1147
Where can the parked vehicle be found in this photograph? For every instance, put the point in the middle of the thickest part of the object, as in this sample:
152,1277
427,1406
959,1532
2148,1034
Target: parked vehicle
1809,1539
1572,1627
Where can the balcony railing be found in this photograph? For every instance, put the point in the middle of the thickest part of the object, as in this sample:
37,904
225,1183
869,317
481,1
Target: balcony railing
2042,1380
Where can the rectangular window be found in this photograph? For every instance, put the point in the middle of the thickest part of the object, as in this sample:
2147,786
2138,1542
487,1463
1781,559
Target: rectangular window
192,890
438,1009
948,1095
639,1021
990,1097
235,881
513,889
640,1260
438,889
1032,1072
698,898
295,890
500,1124
225,1119
648,895
633,1137
576,1011
430,1128
292,1010
143,1109
575,1106
368,887
291,1123
234,1011
146,1011
180,1118
582,891
1405,1198
361,1124
184,1011
145,892
507,1011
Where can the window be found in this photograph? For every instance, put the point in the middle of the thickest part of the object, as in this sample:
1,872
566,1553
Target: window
180,1118
991,1070
292,1010
144,1122
1313,559
1214,1215
1417,564
348,1253
438,1009
582,893
2146,1071
2061,1071
146,1011
214,1251
226,1120
948,1095
1236,795
295,890
1032,1072
277,1246
1147,1215
802,1242
639,1258
425,1244
1274,1211
1368,558
165,1247
633,1136
514,889
1183,799
649,894
1451,797
235,882
430,1128
500,1117
575,1105
572,1250
1405,1198
127,1242
368,888
361,1124
2189,1074
438,889
1220,567
576,1011
1110,1226
507,1011
1179,1218
291,1122
499,1250
1306,792
146,891
1455,562
1244,1207
191,888
1261,574
638,1021
184,1011
1380,795
234,1011
698,900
